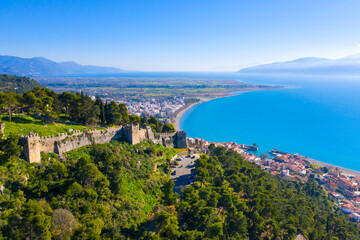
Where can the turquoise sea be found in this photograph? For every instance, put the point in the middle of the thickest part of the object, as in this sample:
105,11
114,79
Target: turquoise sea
319,119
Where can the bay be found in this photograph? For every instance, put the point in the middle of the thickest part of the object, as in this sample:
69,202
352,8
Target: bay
320,118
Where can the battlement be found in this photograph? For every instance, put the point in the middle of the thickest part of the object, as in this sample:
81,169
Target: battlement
165,134
33,144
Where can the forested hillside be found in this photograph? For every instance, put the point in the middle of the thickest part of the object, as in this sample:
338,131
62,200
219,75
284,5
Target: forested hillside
100,192
17,84
235,199
119,191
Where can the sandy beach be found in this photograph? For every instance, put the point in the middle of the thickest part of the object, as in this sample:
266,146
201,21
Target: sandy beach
178,117
330,166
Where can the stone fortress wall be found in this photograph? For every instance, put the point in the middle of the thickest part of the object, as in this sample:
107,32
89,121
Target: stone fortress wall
33,145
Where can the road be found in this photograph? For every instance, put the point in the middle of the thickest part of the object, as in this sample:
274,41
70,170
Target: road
181,174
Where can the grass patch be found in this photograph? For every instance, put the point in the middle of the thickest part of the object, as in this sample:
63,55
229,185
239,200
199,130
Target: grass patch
314,166
180,150
23,125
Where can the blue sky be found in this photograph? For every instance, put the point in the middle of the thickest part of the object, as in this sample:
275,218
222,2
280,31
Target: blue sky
180,35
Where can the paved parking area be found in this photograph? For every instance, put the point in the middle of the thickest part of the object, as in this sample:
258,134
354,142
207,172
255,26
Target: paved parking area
181,174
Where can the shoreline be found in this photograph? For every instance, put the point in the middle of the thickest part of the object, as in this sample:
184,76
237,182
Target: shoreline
332,166
230,94
181,113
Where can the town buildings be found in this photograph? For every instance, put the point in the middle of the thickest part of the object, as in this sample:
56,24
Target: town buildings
343,188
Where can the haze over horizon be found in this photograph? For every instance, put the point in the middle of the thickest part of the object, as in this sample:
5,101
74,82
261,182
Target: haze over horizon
179,36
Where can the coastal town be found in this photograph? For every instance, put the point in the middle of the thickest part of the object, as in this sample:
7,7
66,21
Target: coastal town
342,187
161,108
165,109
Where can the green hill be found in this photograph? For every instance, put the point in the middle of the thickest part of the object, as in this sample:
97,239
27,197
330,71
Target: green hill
120,191
17,84
123,191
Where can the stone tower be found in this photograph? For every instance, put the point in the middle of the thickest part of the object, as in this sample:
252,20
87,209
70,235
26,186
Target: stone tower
133,134
31,147
180,140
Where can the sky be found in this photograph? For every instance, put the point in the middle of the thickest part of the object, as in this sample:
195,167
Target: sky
179,35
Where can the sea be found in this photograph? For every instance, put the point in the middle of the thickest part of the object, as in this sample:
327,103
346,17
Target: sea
314,116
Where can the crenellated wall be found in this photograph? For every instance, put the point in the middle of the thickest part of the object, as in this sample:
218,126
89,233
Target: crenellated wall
33,145
86,138
176,139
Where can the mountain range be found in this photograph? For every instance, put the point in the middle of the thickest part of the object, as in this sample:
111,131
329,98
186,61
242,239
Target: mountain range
39,66
309,66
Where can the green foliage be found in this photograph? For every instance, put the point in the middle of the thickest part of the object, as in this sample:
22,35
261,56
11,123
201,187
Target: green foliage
9,148
9,103
17,84
100,192
168,128
135,119
23,125
121,191
46,105
157,125
235,199
169,197
167,225
34,222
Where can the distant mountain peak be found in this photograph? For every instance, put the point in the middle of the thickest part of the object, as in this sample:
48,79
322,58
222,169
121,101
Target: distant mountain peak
40,66
309,66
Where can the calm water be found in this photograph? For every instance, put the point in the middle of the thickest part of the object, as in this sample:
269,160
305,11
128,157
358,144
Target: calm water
320,119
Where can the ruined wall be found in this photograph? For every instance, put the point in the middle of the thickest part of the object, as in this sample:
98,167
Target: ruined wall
166,139
33,145
174,140
72,142
133,134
